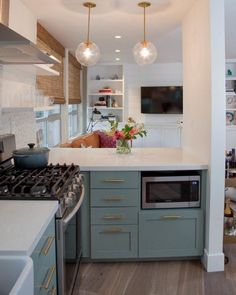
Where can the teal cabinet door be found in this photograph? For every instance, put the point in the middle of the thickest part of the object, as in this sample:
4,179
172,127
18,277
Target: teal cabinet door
44,260
171,233
117,241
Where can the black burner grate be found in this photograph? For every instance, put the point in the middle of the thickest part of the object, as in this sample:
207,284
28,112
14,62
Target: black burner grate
45,183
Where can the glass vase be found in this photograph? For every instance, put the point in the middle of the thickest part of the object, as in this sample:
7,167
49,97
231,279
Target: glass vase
123,146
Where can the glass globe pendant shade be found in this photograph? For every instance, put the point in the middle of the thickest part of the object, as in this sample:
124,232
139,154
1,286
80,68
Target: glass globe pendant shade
87,53
144,53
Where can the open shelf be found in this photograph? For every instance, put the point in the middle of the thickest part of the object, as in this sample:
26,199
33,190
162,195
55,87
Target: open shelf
105,93
107,80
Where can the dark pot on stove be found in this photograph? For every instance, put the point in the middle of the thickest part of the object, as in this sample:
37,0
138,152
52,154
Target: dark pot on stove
31,157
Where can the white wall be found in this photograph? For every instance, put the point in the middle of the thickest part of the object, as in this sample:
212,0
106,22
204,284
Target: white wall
166,74
162,130
204,112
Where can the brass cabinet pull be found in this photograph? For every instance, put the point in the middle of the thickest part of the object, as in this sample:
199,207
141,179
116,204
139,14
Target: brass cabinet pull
171,217
112,231
113,217
53,291
49,277
48,245
113,180
114,199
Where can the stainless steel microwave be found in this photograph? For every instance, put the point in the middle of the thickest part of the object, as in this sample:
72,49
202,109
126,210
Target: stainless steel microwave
170,190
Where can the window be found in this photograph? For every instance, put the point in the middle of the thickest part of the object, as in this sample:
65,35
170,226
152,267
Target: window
73,119
49,127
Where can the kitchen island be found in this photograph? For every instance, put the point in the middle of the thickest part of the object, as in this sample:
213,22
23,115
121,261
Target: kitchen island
100,159
114,224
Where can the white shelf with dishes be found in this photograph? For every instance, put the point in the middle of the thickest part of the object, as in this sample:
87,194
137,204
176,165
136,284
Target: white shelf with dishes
230,100
110,102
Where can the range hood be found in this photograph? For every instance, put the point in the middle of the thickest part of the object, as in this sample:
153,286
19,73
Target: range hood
14,48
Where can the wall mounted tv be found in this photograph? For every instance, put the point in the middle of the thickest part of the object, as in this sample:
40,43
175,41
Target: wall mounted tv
162,100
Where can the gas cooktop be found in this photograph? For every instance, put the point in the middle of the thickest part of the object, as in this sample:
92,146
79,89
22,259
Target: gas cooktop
49,183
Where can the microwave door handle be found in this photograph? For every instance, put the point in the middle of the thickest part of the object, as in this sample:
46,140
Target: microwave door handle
76,209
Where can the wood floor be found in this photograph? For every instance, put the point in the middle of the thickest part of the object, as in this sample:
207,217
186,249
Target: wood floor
157,278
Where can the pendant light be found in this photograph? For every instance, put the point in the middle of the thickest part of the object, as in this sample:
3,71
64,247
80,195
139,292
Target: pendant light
144,52
87,52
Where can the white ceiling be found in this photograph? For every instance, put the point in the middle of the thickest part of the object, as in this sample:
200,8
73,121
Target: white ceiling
66,20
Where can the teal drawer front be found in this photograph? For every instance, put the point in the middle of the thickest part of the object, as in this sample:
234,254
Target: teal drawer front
115,197
115,179
47,280
171,233
114,215
113,241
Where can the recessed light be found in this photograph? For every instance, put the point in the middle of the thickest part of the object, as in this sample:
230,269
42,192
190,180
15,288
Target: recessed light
118,37
117,50
117,59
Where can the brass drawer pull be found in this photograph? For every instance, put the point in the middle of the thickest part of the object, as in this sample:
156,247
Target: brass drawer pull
53,291
113,217
114,199
113,180
171,217
49,277
112,231
48,245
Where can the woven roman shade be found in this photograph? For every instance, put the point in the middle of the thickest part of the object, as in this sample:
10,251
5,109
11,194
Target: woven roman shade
52,86
74,80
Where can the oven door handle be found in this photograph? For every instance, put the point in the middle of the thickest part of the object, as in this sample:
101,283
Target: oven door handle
76,209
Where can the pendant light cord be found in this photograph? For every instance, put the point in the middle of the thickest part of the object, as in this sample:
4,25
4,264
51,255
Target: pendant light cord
144,24
88,25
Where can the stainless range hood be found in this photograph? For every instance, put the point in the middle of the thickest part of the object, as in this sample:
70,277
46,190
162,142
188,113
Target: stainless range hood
14,48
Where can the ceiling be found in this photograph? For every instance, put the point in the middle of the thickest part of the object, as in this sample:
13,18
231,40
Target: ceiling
66,20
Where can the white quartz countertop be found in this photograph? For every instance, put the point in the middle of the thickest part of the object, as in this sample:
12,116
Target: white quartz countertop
98,159
22,224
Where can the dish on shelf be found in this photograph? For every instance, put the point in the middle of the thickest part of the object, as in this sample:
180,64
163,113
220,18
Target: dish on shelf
231,102
229,118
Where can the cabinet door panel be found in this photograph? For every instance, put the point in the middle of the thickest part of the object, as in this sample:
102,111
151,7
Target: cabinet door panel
117,241
171,233
115,197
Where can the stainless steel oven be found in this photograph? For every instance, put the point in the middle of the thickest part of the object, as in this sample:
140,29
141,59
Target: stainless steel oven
171,189
68,242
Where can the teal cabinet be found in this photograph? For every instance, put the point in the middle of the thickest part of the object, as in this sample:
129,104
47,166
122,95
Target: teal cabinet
115,179
114,207
123,215
115,197
171,233
44,259
114,241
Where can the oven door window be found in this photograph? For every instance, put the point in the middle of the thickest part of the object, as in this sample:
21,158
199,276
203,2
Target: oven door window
72,252
172,191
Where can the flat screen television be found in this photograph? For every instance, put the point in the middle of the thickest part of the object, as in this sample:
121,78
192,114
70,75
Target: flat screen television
162,100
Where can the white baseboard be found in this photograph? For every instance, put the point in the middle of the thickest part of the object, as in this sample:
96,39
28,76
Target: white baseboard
213,262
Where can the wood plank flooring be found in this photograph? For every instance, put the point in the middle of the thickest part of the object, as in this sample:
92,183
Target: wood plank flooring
156,278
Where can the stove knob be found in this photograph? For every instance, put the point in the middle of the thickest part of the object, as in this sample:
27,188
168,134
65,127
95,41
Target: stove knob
70,199
75,187
79,179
